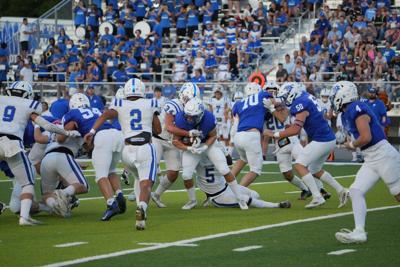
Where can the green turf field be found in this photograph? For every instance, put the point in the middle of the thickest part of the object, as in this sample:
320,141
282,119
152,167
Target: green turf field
206,236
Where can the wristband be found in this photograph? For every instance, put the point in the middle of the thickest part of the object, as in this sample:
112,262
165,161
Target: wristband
92,131
276,135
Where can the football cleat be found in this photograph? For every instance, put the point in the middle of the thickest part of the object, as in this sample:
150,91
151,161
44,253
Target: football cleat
315,202
121,203
125,177
74,202
28,221
305,194
111,211
206,202
325,194
285,204
157,200
343,197
346,236
132,196
141,218
2,207
190,205
62,207
243,204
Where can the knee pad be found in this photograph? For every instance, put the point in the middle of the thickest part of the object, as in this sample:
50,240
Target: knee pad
28,189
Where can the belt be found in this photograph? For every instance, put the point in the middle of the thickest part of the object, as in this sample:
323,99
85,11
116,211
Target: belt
61,150
139,140
11,137
218,193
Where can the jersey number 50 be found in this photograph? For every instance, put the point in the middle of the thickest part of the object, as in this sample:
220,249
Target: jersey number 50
136,121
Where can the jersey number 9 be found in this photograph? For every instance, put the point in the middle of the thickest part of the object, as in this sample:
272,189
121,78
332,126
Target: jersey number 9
136,121
9,113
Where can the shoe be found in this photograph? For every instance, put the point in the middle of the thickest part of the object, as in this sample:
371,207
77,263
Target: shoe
74,202
229,160
343,197
242,201
111,211
315,202
157,200
2,207
28,221
325,194
285,204
62,207
141,218
305,194
132,196
346,236
121,203
190,205
125,177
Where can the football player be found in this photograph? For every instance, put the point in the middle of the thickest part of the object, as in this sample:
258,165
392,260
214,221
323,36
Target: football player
326,107
171,154
219,106
308,114
196,117
214,185
237,97
139,120
107,146
16,109
381,159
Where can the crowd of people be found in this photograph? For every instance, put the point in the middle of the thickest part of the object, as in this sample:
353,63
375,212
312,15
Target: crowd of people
358,42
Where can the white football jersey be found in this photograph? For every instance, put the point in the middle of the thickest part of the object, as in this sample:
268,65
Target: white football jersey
135,117
218,108
208,179
72,143
275,125
326,108
159,103
15,113
173,107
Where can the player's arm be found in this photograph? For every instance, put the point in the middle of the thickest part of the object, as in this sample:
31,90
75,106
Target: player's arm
281,112
362,124
48,126
156,125
293,129
40,138
108,114
171,128
176,141
211,138
70,126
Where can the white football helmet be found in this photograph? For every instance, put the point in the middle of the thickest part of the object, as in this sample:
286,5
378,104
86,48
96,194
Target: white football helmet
325,92
271,87
251,89
343,92
20,89
289,92
194,110
218,88
238,96
188,91
134,87
79,100
120,93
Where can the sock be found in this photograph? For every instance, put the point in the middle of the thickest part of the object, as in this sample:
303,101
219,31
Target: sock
299,183
25,208
119,191
50,202
234,187
69,190
163,186
137,189
192,193
309,180
258,203
143,205
354,155
327,178
359,208
44,208
110,201
320,185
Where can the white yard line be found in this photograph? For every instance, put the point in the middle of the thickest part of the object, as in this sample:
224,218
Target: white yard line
72,244
243,249
293,192
157,244
341,252
207,237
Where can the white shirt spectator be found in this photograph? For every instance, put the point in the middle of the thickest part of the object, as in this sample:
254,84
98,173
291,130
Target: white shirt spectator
27,74
22,36
288,66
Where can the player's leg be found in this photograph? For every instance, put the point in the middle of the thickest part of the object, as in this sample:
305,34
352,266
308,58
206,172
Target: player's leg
242,161
389,169
189,164
146,164
366,178
116,182
254,158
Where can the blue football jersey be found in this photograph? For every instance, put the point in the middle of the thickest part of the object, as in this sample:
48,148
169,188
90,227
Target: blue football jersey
206,125
85,119
316,127
353,111
251,111
59,108
379,109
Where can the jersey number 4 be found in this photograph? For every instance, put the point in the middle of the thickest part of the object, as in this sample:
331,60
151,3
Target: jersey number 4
9,113
136,121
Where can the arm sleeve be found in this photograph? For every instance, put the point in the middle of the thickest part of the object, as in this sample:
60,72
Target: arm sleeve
48,126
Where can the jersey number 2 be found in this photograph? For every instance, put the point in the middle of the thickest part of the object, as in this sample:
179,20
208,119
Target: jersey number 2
9,113
136,121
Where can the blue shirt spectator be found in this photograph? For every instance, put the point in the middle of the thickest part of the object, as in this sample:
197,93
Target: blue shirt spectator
80,18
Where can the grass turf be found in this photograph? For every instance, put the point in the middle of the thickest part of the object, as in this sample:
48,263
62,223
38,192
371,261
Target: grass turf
35,246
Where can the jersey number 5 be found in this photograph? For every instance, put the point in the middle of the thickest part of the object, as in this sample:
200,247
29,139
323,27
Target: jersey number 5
9,113
210,175
136,121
